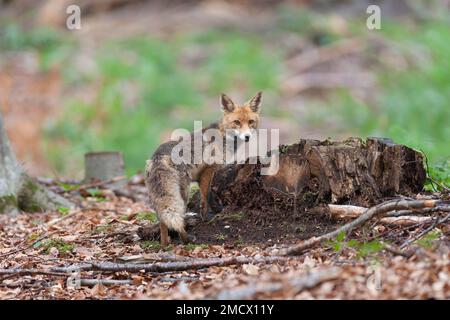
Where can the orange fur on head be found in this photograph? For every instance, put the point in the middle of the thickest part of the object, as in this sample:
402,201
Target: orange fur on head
241,119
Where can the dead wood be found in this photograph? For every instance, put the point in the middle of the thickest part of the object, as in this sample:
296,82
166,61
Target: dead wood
175,279
105,282
311,172
154,257
30,272
104,166
400,218
159,267
345,211
296,285
350,212
67,216
424,232
405,220
376,211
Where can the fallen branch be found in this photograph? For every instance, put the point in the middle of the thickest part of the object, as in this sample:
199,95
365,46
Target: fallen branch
70,215
424,232
405,220
345,211
167,279
105,282
67,216
31,272
159,267
154,257
350,212
392,205
296,284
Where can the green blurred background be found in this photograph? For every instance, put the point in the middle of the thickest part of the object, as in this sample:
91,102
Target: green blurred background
137,69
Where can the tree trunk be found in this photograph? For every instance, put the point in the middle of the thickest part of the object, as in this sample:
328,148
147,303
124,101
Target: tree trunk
18,191
311,172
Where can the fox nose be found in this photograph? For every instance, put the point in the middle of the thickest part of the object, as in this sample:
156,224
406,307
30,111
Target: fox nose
247,138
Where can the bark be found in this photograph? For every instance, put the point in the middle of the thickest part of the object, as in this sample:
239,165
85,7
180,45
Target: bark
310,172
399,218
160,267
18,191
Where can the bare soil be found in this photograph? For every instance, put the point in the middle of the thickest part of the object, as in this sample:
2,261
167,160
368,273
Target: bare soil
266,224
261,227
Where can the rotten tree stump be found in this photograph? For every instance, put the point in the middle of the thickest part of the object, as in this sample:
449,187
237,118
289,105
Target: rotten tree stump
104,166
311,172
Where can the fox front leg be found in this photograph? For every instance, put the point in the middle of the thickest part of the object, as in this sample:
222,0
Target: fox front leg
204,184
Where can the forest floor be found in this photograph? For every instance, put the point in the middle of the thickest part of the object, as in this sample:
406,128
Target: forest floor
360,265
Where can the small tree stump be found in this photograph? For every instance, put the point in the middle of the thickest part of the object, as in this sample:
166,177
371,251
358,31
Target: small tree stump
310,172
105,165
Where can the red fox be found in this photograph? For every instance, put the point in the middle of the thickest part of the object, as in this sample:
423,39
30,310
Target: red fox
168,181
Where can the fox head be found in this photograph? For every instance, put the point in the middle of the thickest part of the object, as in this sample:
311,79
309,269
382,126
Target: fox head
240,120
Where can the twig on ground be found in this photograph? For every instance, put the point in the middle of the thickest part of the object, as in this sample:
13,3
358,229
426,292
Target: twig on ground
392,249
373,212
105,282
350,212
70,215
424,232
156,257
67,216
404,220
169,266
167,279
31,272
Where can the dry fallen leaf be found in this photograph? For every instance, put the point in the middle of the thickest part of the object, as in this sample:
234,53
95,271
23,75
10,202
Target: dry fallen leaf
250,269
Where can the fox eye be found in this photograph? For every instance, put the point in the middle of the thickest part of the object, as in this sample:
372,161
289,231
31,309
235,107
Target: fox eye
237,122
251,122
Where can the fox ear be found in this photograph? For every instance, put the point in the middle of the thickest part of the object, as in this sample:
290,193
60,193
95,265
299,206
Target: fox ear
226,103
255,102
